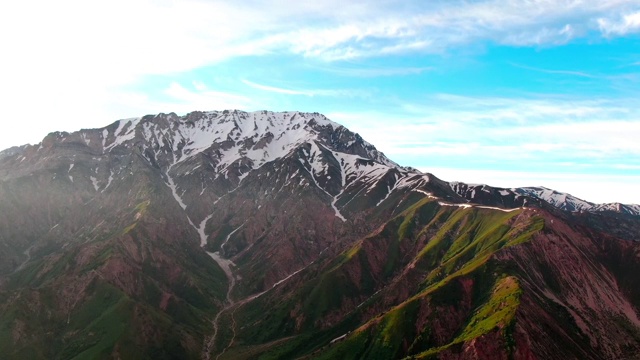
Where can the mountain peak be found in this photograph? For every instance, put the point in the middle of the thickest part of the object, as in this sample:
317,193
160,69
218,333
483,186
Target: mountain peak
312,230
258,137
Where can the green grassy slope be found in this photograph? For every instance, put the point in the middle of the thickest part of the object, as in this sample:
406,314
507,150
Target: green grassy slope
385,296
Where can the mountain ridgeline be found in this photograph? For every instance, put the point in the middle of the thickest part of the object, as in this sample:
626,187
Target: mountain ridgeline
263,235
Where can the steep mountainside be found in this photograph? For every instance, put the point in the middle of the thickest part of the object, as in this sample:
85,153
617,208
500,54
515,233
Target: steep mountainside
285,235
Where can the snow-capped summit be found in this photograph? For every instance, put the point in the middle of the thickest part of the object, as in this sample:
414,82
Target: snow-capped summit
560,200
190,226
208,154
253,138
215,151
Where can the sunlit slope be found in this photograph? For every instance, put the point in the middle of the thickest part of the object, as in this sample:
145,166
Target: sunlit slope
445,281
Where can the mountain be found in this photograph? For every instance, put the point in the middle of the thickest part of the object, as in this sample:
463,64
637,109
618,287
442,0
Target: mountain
569,202
230,235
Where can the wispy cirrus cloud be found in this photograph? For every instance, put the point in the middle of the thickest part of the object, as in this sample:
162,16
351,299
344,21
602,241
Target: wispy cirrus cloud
515,133
176,97
542,108
112,33
436,27
584,147
554,71
203,98
307,92
128,37
371,72
118,42
75,57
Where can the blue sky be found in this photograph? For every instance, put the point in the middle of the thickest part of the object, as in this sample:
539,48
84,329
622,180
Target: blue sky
505,92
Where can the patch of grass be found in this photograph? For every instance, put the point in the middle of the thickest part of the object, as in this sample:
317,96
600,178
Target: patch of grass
462,242
422,211
327,294
129,228
142,207
101,322
352,252
352,348
478,239
497,312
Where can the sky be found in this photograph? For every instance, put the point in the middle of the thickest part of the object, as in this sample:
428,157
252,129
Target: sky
504,92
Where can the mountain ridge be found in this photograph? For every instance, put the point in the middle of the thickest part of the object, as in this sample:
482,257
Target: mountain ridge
194,142
321,247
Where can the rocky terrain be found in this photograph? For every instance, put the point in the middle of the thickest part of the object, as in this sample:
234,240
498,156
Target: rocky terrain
231,235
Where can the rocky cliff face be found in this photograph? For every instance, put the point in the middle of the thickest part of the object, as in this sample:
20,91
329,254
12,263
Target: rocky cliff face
238,235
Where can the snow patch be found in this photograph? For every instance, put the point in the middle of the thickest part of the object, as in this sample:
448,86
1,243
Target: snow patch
390,189
105,133
94,181
200,229
108,181
124,132
560,200
465,206
334,198
341,337
428,194
174,192
442,203
287,278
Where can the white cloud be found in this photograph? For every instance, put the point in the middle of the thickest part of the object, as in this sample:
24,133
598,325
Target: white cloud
71,58
121,40
204,99
178,99
435,27
376,71
544,136
560,72
625,24
626,167
277,89
63,64
307,92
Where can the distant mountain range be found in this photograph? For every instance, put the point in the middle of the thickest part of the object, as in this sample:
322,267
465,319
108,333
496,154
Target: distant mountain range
235,235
